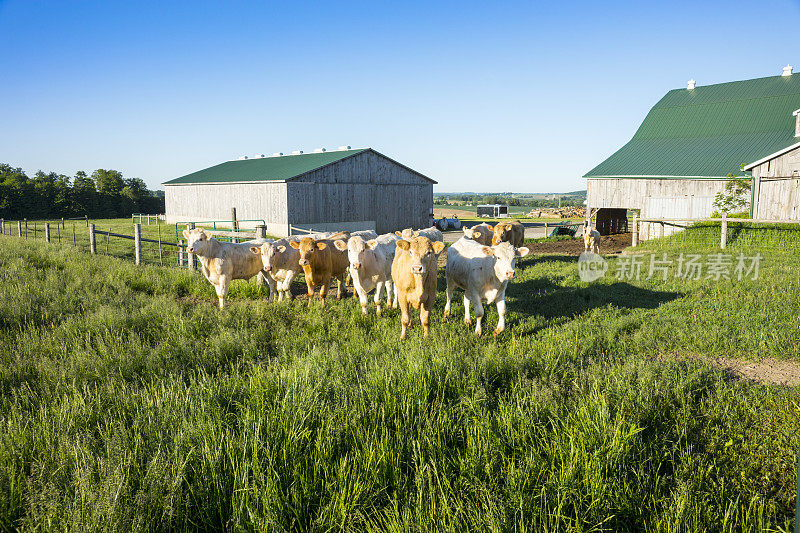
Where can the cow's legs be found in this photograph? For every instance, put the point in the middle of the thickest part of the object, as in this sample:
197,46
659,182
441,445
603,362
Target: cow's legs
222,290
501,310
271,283
287,284
340,286
310,288
404,318
378,295
361,294
476,301
451,288
425,317
323,291
467,319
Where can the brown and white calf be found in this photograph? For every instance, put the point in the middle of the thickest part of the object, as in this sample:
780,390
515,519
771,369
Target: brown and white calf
223,262
371,267
513,232
481,233
321,261
414,272
591,238
432,233
482,272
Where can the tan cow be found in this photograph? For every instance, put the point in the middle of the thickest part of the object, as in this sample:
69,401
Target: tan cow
432,233
321,261
513,232
482,233
223,262
591,238
414,271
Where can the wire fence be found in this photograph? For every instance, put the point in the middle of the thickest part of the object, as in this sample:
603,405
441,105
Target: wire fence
155,244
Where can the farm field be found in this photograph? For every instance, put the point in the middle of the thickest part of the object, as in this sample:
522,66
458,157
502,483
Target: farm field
129,402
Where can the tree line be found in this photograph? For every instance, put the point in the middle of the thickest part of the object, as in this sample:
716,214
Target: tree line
477,199
103,194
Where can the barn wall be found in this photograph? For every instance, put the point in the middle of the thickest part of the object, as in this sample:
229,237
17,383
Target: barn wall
664,198
363,188
777,188
200,202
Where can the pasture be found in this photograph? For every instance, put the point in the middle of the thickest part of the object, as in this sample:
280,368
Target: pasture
129,402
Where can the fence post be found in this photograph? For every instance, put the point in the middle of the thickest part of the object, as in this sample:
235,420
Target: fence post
234,225
87,220
92,242
62,223
47,232
19,228
160,255
2,225
545,229
635,232
180,252
74,241
723,234
661,230
190,256
26,227
261,232
137,242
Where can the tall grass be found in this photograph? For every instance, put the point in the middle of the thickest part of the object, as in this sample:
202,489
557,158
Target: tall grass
129,402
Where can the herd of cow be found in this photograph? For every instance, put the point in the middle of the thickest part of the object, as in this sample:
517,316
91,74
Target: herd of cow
401,265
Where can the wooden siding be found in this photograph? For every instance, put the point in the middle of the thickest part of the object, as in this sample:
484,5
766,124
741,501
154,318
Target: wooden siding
664,198
213,202
777,188
366,188
363,187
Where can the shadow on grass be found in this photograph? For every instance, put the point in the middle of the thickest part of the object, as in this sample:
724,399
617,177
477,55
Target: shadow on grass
542,297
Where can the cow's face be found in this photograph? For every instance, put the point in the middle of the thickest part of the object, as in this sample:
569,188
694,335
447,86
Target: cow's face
270,255
308,248
502,232
197,241
422,253
356,247
406,234
505,259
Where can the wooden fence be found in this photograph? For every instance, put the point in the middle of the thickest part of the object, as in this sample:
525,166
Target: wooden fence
99,240
679,224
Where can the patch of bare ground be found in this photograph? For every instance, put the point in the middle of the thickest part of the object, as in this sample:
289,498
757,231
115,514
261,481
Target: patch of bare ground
768,371
609,244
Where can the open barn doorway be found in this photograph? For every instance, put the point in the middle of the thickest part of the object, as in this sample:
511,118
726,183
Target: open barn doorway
610,221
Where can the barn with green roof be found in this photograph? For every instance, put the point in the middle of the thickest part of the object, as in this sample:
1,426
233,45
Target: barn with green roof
688,144
342,189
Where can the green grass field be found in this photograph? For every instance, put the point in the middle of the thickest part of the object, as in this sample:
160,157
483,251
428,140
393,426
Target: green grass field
129,402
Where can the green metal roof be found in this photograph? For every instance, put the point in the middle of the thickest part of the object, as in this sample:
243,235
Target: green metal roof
710,131
264,168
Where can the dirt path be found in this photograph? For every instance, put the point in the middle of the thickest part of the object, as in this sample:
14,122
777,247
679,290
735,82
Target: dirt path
768,371
609,244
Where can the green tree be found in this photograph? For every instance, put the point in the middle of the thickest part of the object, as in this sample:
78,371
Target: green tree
735,197
108,182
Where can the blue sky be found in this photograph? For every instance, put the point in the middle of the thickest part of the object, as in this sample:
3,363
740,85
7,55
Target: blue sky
500,96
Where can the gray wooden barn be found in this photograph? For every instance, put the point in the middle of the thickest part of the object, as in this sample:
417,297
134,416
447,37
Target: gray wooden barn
324,190
688,144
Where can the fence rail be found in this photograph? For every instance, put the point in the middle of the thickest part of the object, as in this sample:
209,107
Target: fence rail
688,225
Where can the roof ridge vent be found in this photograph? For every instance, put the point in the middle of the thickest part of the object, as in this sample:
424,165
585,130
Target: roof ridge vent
243,157
347,147
297,152
787,70
261,156
319,150
690,84
277,154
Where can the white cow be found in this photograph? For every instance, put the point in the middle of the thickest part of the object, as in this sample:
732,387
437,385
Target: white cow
591,239
481,233
223,262
433,234
483,273
371,267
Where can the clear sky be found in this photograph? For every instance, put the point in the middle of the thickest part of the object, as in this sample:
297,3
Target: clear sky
480,96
